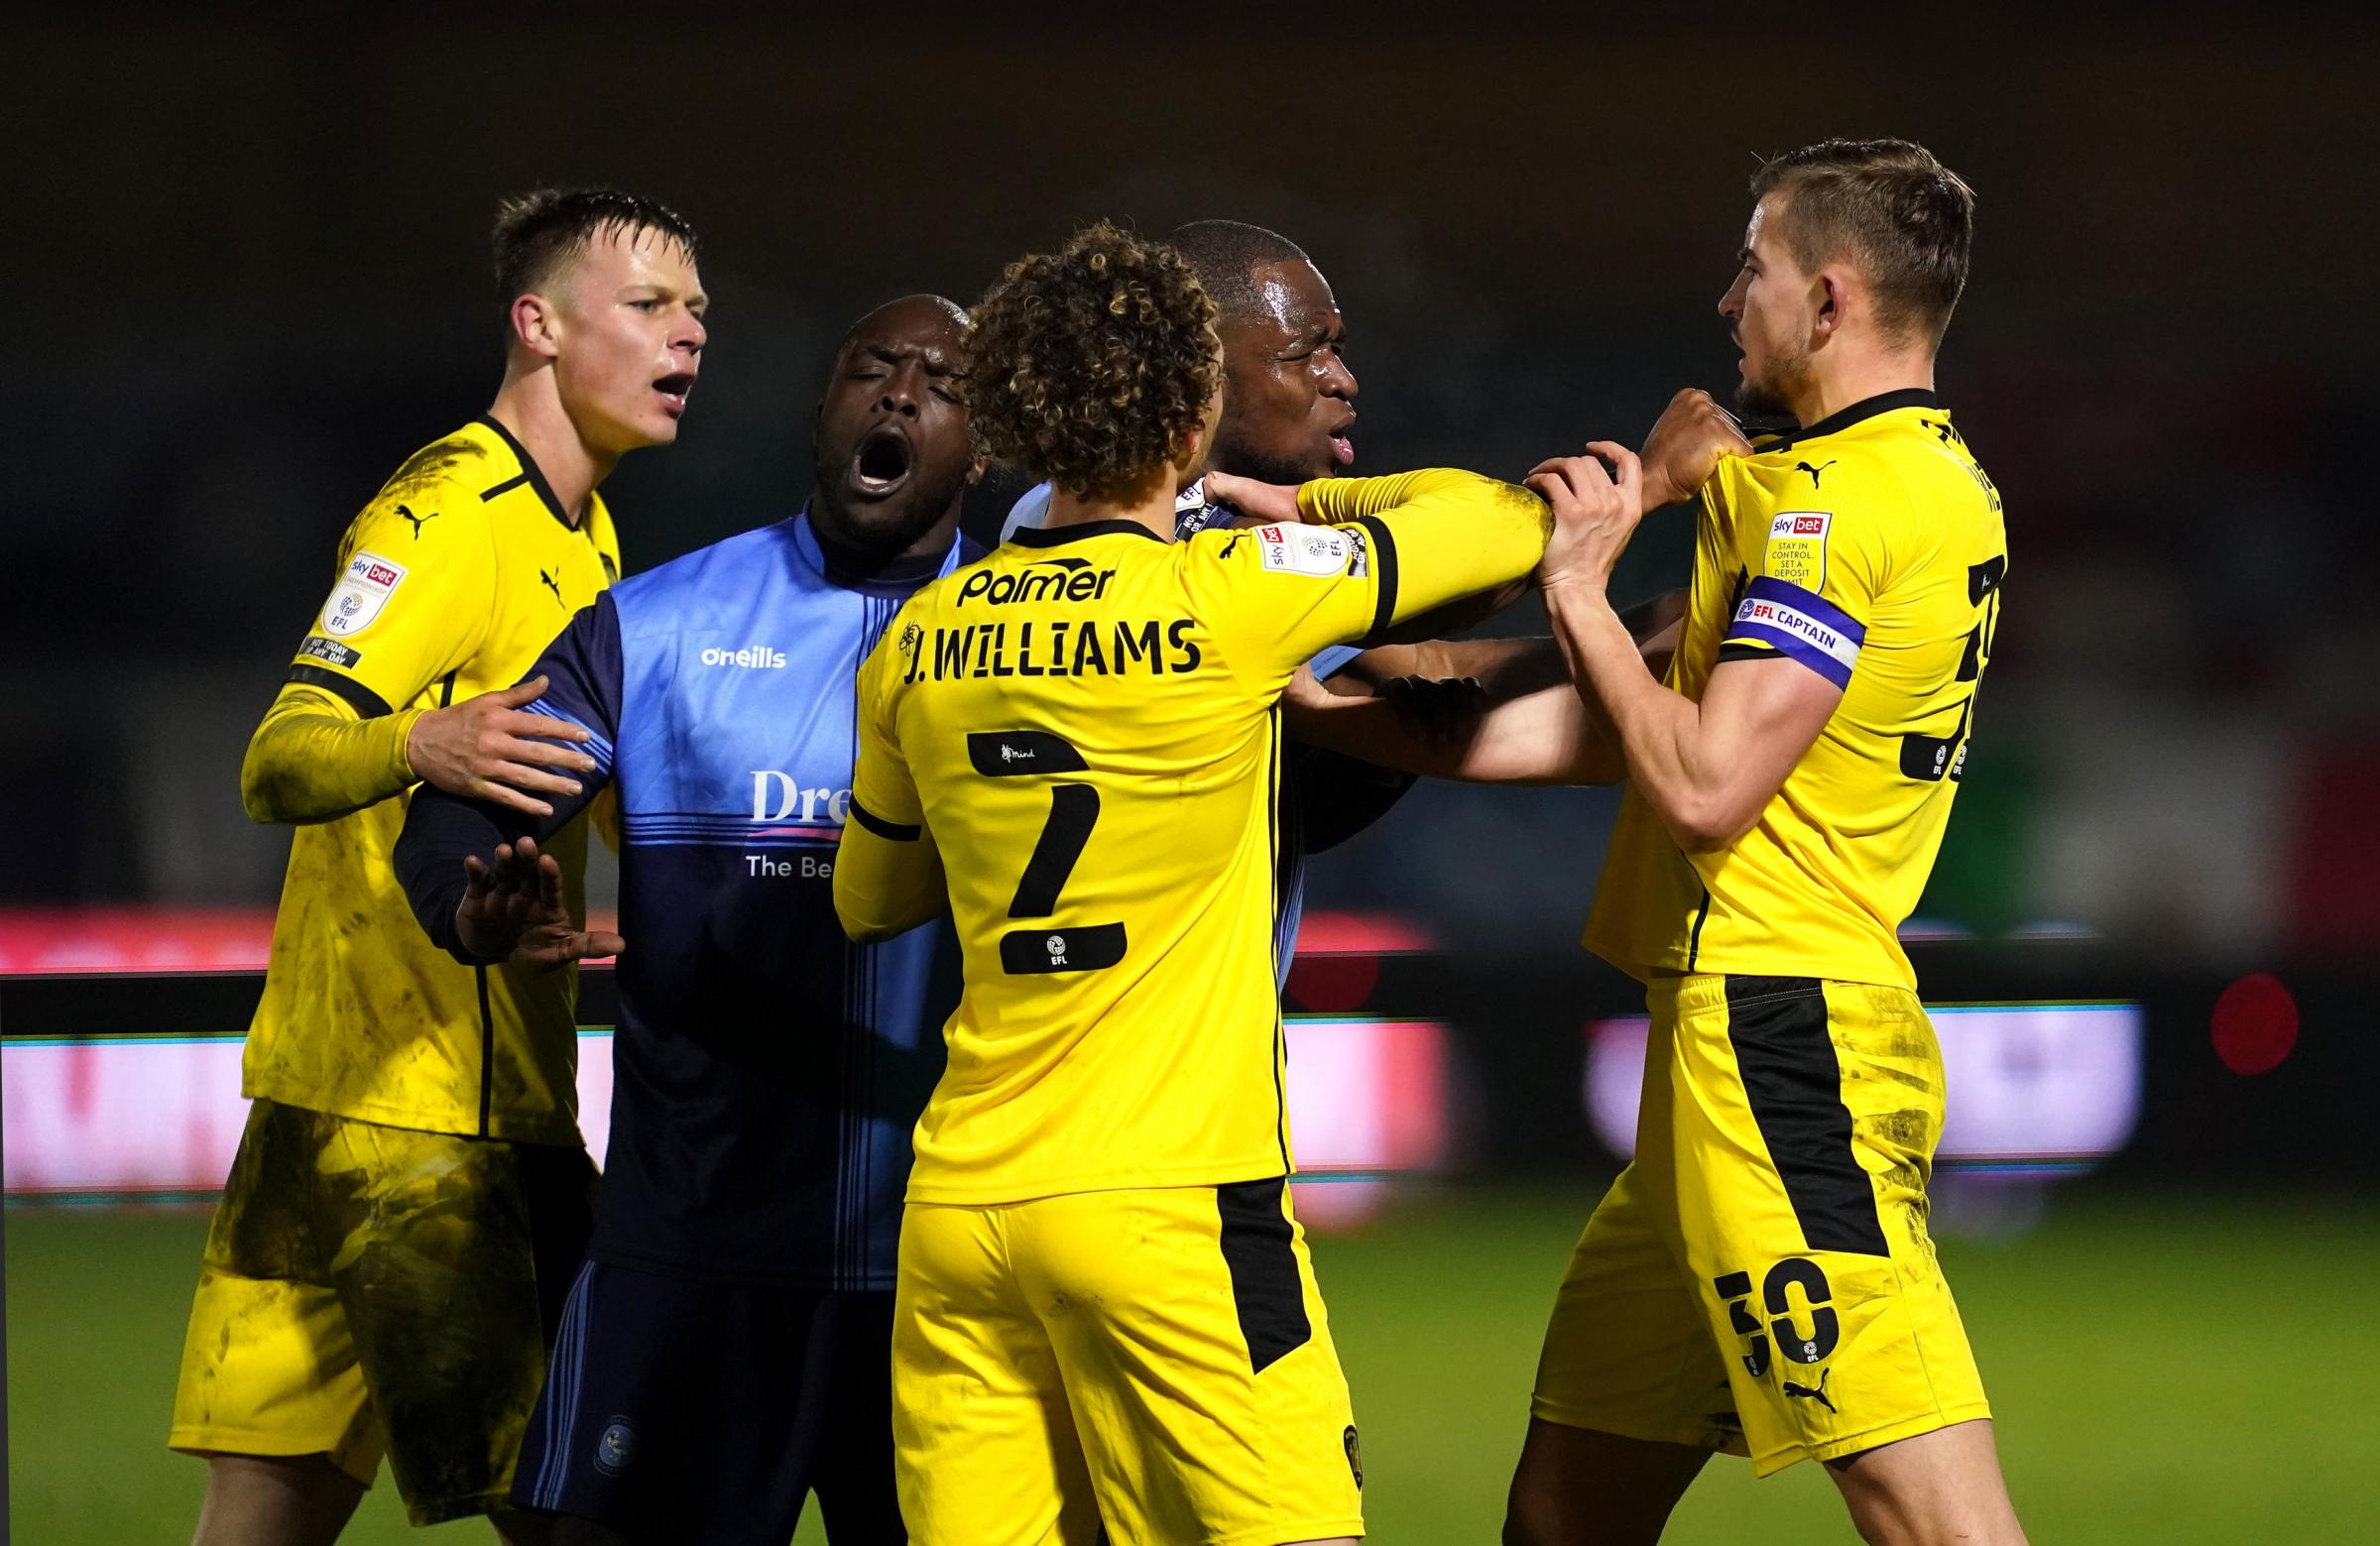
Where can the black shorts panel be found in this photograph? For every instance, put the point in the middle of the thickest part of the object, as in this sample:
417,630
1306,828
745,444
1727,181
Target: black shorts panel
685,1411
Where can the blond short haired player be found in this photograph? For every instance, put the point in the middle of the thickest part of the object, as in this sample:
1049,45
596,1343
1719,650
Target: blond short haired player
1760,1279
410,1196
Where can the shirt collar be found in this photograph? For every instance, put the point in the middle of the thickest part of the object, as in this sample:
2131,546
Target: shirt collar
531,470
1866,408
898,577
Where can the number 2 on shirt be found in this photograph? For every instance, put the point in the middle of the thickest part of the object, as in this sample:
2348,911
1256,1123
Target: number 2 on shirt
1073,812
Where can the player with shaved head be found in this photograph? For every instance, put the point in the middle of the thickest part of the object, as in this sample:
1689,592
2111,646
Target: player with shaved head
724,1350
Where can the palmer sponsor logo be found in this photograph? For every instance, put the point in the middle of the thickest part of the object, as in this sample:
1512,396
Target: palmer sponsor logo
1052,579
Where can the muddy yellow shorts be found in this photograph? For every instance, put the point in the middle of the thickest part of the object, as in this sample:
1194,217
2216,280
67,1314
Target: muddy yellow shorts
1760,1279
369,1291
1155,1360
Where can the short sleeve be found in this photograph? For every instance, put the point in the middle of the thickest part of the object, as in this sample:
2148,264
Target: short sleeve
1273,596
410,602
1813,591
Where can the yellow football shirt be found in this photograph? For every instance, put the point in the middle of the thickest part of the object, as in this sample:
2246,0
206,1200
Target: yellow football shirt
458,573
1086,727
1871,549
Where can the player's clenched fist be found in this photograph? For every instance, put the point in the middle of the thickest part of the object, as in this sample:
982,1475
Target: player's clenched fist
486,747
1684,449
1595,513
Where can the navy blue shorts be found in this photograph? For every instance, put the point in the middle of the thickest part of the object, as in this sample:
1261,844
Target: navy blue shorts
677,1411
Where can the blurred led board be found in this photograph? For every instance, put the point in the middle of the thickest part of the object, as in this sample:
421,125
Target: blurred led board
160,1116
2032,1087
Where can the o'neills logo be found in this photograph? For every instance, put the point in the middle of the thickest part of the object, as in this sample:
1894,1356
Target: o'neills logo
752,657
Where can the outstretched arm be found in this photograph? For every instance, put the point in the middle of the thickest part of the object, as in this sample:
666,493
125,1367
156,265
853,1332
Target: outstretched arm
1524,723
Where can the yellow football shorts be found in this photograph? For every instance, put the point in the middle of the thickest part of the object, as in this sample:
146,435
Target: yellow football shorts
369,1291
1761,1280
1155,1360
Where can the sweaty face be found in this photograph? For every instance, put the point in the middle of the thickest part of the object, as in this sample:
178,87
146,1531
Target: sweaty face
628,337
1288,400
892,442
1770,311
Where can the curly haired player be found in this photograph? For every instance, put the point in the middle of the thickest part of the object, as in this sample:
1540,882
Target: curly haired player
1104,1310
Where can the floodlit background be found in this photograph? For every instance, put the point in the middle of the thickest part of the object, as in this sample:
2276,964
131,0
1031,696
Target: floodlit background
249,276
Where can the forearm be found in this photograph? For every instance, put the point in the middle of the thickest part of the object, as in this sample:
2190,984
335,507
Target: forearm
1504,669
1659,733
313,760
1508,668
1539,738
440,832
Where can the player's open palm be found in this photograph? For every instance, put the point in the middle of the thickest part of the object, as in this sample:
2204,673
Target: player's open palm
1685,446
1595,510
513,910
490,749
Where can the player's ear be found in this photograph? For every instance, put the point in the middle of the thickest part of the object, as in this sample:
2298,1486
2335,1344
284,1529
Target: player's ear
534,325
1832,292
975,471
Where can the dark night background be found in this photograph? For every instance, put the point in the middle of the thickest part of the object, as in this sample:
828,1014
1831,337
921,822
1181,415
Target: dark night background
249,275
253,276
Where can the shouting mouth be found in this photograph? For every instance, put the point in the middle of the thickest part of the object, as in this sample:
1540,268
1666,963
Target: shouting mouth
883,462
1342,444
674,389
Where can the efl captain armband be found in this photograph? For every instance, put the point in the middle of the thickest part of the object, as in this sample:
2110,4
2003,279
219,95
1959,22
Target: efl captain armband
1801,624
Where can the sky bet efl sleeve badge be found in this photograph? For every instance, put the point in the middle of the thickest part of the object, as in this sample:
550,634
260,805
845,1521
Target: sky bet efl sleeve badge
360,594
1319,552
1797,548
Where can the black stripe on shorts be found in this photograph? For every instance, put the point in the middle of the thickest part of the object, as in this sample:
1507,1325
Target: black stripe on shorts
1259,1249
1778,1026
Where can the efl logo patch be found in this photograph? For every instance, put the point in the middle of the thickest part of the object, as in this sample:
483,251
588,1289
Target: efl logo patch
1320,552
360,594
1797,548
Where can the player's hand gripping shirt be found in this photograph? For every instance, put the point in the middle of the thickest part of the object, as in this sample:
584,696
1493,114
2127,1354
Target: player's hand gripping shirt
450,581
1086,727
1869,548
767,1071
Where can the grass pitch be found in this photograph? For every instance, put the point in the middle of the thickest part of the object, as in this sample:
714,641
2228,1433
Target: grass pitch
2165,1369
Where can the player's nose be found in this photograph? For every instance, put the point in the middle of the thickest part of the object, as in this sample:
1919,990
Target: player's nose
901,394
